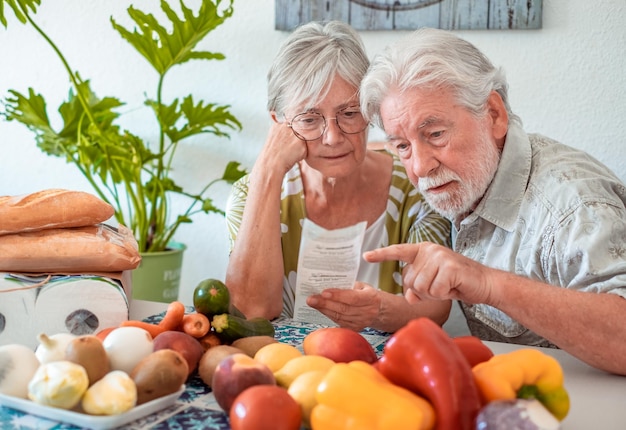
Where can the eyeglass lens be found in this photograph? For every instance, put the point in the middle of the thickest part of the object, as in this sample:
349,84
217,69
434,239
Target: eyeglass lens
311,125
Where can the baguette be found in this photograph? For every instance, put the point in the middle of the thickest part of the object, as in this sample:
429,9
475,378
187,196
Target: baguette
52,208
95,248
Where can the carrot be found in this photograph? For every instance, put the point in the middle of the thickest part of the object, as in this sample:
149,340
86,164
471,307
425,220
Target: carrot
196,324
153,329
173,316
209,340
104,332
171,320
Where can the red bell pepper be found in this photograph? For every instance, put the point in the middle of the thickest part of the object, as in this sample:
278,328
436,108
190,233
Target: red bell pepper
474,350
422,358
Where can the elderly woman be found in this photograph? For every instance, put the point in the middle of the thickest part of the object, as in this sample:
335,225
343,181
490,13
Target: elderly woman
316,165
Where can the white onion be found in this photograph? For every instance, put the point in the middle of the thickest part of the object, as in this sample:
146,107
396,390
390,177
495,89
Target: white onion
127,346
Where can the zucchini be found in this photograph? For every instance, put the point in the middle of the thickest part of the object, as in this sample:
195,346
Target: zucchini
230,327
232,309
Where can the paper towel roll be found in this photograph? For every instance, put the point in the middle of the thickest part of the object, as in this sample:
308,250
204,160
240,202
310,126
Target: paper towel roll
17,311
80,305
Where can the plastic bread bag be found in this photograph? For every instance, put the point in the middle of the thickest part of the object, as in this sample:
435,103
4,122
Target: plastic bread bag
94,248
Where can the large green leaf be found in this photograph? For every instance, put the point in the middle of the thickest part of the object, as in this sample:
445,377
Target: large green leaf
100,111
29,110
233,172
101,149
165,49
208,206
205,118
197,118
167,115
20,9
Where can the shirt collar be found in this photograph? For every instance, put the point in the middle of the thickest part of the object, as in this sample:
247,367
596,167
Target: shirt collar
501,203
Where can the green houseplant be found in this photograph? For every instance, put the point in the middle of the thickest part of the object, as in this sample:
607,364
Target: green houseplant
126,171
130,173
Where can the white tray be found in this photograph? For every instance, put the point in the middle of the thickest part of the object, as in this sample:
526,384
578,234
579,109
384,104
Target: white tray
96,422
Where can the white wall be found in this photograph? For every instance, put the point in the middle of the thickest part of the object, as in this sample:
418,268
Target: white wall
567,81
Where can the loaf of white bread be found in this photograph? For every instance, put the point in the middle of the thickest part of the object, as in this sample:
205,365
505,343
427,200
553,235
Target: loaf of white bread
52,208
63,231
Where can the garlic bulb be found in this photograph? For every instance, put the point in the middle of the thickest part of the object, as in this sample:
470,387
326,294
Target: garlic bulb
114,394
52,348
60,384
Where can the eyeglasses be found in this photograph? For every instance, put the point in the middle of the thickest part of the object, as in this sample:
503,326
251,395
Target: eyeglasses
312,125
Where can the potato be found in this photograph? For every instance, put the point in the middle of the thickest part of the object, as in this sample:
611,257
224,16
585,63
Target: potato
88,351
211,358
187,345
251,344
161,373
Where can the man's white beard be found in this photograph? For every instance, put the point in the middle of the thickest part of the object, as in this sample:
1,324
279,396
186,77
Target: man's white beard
468,192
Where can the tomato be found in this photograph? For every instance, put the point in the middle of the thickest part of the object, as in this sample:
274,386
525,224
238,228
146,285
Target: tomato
265,407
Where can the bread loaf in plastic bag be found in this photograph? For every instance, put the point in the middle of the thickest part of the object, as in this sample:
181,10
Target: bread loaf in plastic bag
94,248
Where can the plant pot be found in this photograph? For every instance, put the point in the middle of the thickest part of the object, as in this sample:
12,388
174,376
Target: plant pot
157,279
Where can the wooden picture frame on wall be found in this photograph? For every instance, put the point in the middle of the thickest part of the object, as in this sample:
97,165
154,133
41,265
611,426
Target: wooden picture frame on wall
413,14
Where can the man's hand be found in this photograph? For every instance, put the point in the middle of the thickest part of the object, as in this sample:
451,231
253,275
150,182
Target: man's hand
436,272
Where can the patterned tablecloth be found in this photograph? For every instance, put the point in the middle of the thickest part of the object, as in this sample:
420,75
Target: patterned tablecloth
196,407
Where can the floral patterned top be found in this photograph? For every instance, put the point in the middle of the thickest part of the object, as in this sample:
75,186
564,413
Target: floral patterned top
408,219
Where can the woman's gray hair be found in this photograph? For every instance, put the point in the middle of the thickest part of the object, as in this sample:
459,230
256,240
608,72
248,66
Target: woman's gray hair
309,59
432,59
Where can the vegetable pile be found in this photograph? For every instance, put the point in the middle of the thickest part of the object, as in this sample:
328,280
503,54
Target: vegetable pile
118,368
423,380
89,375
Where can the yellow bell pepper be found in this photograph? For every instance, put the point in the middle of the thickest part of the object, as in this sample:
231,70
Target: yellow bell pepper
356,396
524,373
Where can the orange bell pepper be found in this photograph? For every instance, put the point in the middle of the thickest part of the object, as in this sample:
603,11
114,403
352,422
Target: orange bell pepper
527,374
355,396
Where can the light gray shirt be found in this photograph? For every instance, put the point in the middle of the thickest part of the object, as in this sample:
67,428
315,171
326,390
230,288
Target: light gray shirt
552,214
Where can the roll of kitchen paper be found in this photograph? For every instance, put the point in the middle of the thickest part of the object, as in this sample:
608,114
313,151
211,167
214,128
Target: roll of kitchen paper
80,305
17,310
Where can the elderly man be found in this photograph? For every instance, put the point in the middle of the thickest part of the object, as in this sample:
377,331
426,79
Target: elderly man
539,228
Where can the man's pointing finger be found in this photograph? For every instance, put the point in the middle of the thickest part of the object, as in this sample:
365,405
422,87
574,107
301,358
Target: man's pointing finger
404,252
